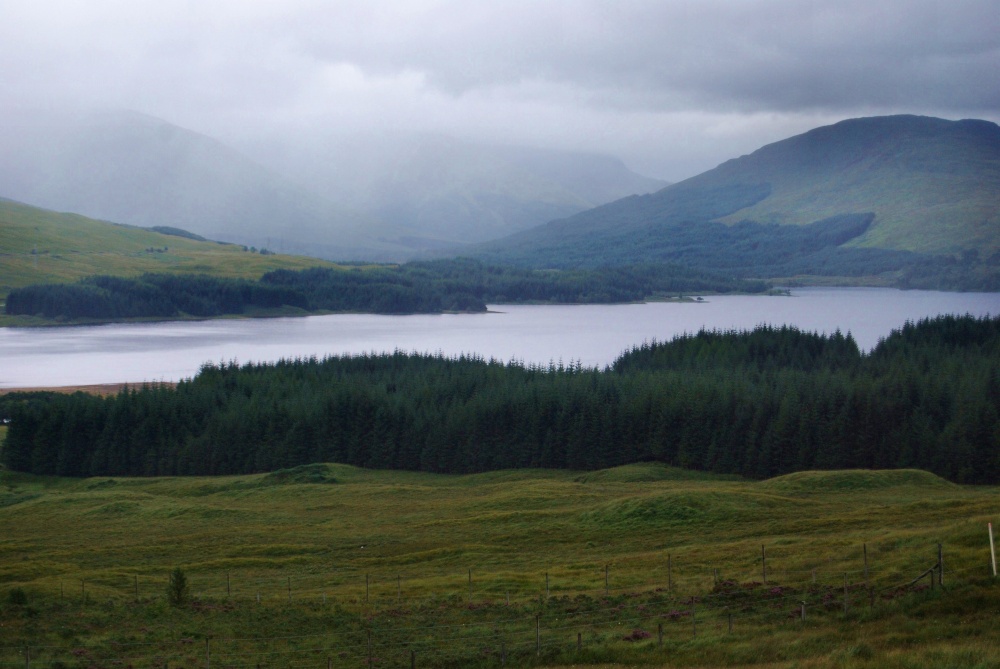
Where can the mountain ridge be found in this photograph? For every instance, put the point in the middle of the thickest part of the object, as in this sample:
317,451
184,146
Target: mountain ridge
139,170
434,190
136,169
921,157
930,186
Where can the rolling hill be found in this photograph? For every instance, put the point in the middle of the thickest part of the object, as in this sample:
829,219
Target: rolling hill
902,197
40,246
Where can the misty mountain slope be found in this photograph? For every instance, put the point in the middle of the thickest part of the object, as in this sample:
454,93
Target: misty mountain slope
431,190
134,169
872,196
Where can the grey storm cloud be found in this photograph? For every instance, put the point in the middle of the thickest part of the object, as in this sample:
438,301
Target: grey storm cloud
772,54
671,86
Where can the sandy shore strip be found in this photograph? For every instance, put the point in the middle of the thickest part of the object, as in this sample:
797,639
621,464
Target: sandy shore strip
96,389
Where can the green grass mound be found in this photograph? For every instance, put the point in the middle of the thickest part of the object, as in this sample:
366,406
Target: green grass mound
851,480
314,473
10,497
685,508
511,476
649,472
653,511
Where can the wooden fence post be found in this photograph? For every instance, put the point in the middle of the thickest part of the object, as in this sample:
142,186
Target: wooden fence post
670,575
993,552
659,635
538,634
763,563
606,589
866,563
845,594
940,567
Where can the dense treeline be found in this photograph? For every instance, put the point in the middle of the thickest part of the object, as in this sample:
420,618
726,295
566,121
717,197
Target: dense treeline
472,283
426,287
148,296
758,403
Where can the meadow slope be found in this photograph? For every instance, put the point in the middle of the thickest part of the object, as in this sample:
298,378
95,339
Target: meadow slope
41,246
333,563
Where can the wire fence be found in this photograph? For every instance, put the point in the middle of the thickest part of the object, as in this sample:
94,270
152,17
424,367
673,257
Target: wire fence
511,619
676,572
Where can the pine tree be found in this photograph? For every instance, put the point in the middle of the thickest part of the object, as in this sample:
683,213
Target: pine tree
178,591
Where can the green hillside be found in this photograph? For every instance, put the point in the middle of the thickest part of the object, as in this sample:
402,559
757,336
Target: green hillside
933,185
40,246
906,200
332,566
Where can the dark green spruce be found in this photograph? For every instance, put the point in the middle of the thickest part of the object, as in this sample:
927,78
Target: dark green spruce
759,404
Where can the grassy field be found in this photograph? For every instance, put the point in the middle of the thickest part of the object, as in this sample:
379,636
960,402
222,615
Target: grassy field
328,563
40,246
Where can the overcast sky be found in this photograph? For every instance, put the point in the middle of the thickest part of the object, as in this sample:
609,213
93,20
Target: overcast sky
671,87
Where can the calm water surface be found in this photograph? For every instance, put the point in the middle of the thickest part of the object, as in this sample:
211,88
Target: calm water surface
592,334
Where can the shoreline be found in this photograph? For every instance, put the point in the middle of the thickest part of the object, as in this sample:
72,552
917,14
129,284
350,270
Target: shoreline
93,389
